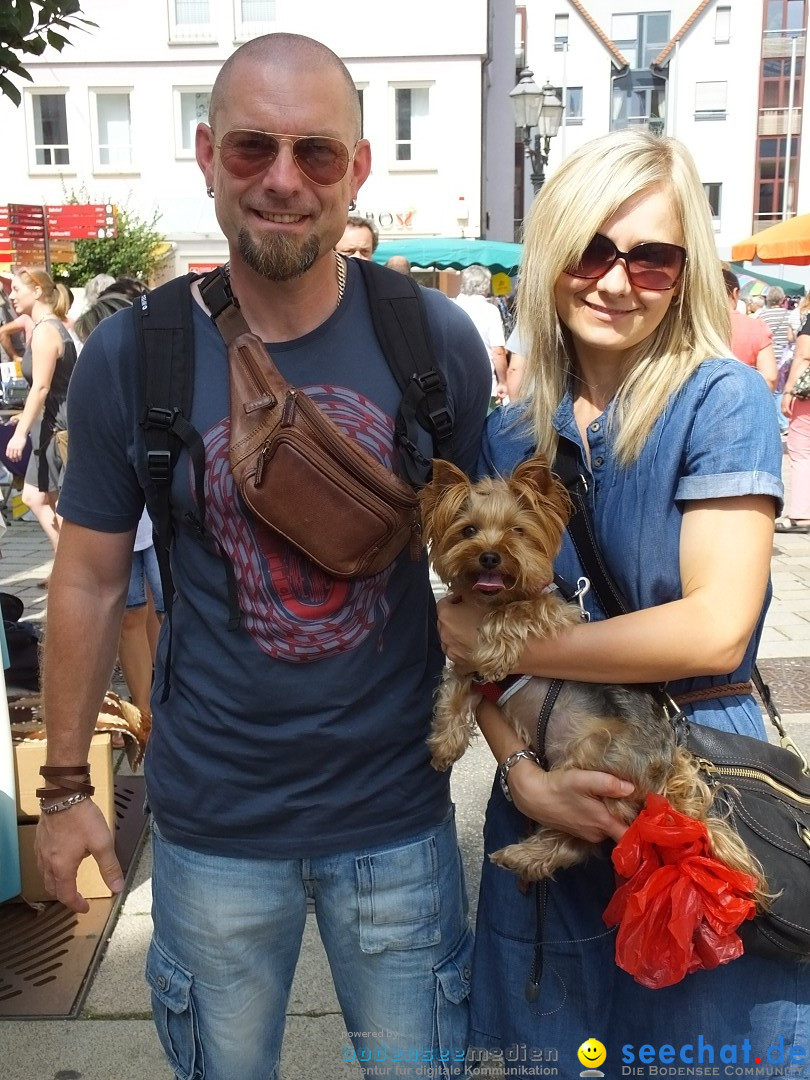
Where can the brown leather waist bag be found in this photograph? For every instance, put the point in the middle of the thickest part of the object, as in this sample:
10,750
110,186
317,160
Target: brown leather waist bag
299,473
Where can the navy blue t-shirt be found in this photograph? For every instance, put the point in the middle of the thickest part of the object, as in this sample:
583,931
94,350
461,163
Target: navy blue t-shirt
303,732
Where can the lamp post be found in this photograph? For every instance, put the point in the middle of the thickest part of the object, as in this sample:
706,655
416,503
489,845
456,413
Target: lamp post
540,109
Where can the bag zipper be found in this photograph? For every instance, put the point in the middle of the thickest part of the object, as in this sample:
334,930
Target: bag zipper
752,774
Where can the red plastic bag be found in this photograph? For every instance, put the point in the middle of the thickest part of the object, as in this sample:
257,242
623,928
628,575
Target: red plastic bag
679,909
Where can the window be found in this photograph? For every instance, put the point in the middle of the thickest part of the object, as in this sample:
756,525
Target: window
50,129
411,123
639,100
775,83
722,25
714,194
560,32
361,98
573,104
710,100
771,178
113,130
190,108
190,20
253,17
641,37
784,15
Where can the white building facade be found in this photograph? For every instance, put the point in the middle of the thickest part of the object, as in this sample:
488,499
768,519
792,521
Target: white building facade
112,117
715,74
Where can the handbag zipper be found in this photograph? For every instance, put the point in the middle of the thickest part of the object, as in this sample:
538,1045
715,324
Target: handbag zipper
752,774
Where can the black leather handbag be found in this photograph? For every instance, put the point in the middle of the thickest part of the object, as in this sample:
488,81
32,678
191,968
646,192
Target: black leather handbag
764,788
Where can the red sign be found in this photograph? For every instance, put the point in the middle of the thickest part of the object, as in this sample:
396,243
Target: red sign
82,222
202,267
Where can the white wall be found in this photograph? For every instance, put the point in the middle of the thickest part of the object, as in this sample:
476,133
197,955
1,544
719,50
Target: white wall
442,45
724,150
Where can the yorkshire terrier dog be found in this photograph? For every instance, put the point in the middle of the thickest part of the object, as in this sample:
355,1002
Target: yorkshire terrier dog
493,543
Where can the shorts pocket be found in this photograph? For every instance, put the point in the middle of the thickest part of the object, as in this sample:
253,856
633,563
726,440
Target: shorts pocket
398,898
451,1014
173,1011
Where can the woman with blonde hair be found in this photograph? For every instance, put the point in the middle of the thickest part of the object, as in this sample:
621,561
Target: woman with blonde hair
622,298
47,365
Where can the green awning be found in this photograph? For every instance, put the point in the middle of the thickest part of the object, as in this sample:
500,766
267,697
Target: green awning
454,253
792,288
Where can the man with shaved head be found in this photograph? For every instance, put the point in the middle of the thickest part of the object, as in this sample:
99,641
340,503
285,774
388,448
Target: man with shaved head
287,758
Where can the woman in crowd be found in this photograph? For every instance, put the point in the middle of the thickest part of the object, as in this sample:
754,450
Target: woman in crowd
797,412
47,366
622,300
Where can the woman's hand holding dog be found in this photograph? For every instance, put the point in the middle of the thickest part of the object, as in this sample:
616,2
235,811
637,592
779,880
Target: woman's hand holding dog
571,800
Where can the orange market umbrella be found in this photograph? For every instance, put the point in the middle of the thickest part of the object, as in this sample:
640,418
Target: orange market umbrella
788,242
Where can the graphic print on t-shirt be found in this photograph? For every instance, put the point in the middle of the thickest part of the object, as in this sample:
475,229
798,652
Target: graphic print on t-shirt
292,608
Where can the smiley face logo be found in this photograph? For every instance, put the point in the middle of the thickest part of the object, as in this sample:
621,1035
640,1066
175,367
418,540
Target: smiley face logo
592,1054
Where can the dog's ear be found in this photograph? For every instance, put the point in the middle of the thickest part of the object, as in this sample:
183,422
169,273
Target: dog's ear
535,481
535,472
446,476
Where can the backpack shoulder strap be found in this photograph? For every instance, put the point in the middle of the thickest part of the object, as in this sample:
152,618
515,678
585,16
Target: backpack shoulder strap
401,325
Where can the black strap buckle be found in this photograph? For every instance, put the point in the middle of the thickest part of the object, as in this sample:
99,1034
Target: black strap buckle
159,464
428,381
159,418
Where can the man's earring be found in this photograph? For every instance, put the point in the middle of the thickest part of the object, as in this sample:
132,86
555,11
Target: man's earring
352,206
209,191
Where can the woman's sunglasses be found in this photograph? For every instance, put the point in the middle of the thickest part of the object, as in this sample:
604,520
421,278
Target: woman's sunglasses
321,159
649,266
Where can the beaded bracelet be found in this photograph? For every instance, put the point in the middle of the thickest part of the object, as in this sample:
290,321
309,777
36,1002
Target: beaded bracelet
65,804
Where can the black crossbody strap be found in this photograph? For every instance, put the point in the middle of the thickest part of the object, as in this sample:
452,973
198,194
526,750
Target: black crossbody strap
401,325
567,466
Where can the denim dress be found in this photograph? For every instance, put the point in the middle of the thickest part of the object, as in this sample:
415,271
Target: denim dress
717,437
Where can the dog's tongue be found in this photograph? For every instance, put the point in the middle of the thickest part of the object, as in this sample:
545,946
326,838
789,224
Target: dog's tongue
489,583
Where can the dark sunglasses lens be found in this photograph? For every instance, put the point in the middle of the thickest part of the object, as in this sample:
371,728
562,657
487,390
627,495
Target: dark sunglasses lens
247,153
597,258
655,266
324,161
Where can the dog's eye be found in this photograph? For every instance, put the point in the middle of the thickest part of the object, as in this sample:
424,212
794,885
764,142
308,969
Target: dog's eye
468,531
517,529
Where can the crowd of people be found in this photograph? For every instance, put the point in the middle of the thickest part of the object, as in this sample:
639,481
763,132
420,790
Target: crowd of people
288,756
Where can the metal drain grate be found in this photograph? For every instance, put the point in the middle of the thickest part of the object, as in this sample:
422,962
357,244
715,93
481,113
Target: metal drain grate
47,957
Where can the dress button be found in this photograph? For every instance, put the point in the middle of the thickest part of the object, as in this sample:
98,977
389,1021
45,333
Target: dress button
599,462
162,982
595,426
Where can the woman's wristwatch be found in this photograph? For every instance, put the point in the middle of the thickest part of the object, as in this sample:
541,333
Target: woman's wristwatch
513,759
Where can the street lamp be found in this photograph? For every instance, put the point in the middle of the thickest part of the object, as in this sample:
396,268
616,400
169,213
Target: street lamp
541,109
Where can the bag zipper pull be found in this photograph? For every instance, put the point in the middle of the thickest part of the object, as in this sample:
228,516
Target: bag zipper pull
416,537
288,415
257,478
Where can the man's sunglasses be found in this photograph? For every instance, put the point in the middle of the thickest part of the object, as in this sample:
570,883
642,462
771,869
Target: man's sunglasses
321,159
649,266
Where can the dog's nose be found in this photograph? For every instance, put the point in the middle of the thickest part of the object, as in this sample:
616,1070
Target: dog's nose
489,559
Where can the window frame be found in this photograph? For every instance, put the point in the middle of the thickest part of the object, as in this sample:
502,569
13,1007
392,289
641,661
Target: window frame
244,31
425,158
180,152
716,217
725,11
561,23
34,167
203,34
572,119
99,168
716,113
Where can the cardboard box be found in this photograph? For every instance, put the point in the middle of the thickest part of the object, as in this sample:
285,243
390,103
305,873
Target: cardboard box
89,881
27,760
29,757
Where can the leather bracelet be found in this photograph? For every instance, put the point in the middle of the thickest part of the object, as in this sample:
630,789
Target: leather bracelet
65,804
513,759
48,772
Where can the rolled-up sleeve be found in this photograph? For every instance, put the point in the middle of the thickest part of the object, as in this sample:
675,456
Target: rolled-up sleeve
733,446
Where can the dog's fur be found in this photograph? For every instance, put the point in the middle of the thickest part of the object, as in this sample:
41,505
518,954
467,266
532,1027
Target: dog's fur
493,543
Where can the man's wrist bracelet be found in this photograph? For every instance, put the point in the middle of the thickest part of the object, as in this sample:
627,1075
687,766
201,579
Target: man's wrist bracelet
64,804
513,759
